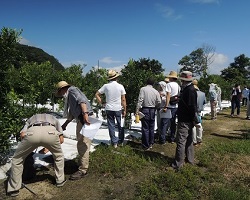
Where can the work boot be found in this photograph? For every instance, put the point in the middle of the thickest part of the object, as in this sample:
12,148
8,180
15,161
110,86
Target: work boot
78,175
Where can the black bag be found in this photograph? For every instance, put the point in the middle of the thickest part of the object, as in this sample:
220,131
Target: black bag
174,100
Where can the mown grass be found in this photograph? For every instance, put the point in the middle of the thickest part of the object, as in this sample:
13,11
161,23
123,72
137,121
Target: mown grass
221,170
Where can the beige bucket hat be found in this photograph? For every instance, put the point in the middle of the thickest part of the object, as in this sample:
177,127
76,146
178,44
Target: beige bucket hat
59,86
172,74
112,74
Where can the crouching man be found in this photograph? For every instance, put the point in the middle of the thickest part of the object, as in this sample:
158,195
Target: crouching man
39,130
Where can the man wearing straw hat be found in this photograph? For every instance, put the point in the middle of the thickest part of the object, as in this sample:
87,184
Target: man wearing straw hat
115,106
77,107
172,92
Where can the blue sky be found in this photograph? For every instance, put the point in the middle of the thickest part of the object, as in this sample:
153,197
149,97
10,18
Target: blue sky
113,31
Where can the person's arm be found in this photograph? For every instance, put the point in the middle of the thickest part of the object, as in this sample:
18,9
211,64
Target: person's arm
124,105
139,102
167,101
85,113
98,97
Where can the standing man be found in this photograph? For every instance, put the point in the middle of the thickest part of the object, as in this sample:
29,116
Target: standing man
39,130
77,107
245,93
201,101
148,101
248,107
218,90
187,108
213,100
161,88
235,99
172,96
115,106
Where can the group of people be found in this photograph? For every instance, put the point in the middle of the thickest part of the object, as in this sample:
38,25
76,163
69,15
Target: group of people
45,130
240,98
172,102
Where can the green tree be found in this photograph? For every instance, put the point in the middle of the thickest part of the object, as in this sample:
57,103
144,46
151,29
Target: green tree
8,56
198,60
93,81
134,76
238,71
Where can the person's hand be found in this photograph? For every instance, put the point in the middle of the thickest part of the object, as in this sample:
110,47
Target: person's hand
123,113
43,151
64,127
22,135
164,109
86,119
61,138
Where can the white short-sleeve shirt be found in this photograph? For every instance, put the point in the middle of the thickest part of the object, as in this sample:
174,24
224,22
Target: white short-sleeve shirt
113,92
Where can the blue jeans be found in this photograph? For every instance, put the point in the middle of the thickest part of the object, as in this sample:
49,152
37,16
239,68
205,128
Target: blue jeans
173,124
148,126
111,117
165,123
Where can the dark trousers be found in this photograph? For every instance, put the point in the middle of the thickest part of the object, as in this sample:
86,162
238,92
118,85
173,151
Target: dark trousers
235,105
148,125
244,101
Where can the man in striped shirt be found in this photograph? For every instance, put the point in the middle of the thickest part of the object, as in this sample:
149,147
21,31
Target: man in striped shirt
149,99
39,130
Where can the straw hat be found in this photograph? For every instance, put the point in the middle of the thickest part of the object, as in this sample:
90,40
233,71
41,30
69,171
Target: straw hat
166,80
112,74
59,86
186,76
172,74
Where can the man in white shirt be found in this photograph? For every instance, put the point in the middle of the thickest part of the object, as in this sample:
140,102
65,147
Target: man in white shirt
115,106
172,93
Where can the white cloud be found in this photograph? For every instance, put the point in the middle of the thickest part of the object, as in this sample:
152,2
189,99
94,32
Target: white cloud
108,60
167,12
25,41
176,45
220,62
118,68
205,1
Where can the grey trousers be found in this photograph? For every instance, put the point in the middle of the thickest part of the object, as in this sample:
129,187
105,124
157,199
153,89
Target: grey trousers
46,136
83,148
184,141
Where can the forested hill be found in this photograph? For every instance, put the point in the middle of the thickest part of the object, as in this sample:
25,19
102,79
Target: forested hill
34,54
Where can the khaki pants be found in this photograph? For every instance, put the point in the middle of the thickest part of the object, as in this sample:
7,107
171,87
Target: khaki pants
213,105
46,136
83,147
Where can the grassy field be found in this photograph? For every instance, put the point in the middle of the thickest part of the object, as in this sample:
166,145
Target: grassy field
221,170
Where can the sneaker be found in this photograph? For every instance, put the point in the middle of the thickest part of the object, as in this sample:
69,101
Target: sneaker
78,175
61,184
14,193
115,146
151,146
